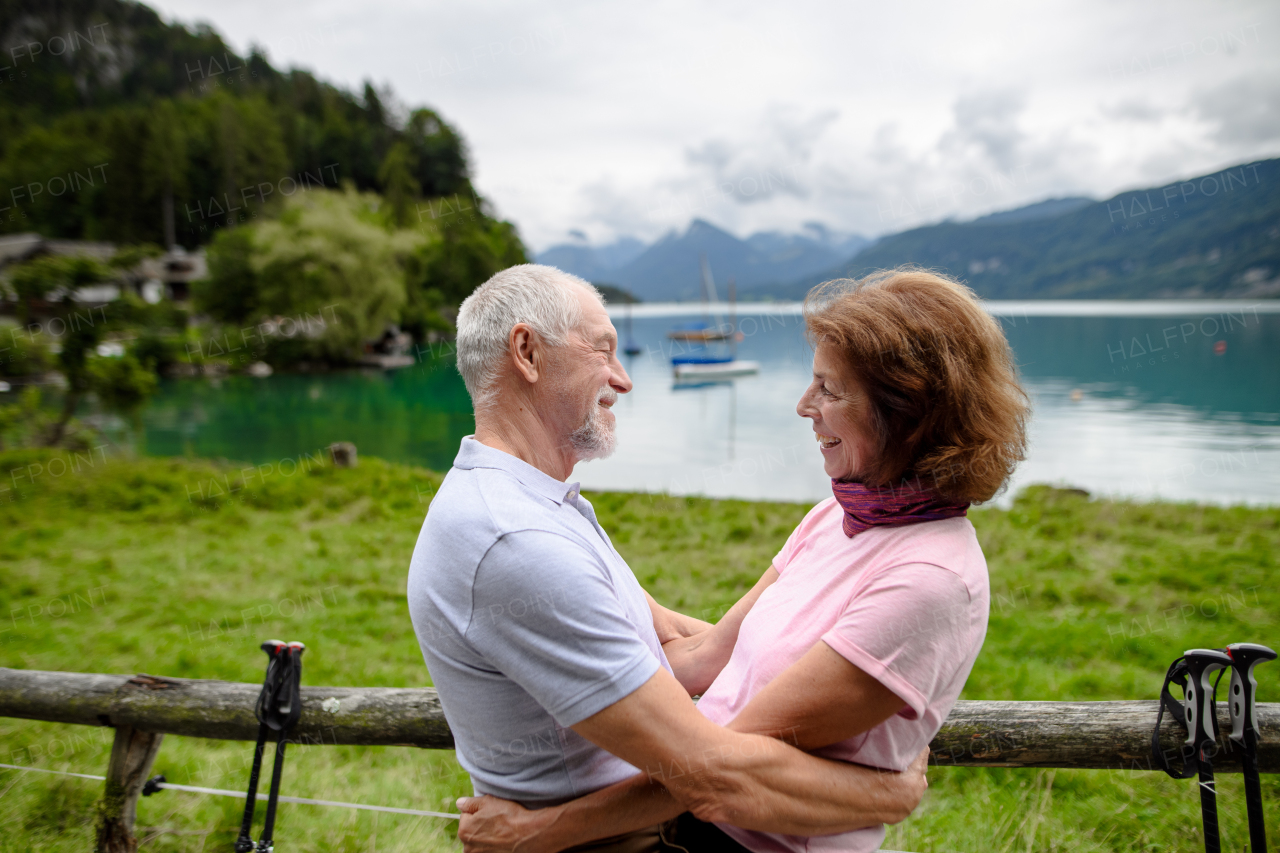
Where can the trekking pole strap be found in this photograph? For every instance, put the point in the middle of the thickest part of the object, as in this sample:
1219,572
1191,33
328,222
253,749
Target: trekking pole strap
1177,674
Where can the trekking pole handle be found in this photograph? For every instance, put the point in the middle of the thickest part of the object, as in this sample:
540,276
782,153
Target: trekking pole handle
1244,687
1202,723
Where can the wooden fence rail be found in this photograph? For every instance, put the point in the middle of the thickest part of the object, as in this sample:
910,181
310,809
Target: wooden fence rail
143,708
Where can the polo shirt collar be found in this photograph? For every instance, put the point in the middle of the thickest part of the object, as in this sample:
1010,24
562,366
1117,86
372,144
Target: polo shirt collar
473,454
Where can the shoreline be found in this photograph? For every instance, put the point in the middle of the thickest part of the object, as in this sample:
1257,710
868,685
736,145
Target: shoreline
996,307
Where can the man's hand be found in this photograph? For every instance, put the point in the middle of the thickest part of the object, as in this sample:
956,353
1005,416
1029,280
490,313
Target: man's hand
493,825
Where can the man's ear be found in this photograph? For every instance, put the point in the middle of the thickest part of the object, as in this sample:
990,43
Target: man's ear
525,348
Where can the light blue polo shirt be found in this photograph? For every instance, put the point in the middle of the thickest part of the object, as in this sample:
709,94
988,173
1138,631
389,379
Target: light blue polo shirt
529,621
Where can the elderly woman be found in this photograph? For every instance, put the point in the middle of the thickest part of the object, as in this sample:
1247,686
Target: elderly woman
857,640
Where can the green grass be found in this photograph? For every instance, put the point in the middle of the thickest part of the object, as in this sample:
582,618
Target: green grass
134,566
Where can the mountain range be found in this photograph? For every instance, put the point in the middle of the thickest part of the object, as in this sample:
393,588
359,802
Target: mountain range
1214,235
669,270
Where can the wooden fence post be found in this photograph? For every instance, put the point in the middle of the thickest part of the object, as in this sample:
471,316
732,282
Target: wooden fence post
132,753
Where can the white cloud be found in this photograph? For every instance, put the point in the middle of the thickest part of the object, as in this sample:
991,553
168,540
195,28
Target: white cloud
1244,111
614,119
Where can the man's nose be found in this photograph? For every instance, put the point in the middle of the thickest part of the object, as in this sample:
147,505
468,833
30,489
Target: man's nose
618,378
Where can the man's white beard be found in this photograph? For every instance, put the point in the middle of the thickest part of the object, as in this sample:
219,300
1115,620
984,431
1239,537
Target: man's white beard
595,439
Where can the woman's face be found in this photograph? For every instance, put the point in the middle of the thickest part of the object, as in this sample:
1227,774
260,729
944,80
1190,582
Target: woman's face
839,411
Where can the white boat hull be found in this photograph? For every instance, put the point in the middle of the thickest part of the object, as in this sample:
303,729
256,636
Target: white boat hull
717,371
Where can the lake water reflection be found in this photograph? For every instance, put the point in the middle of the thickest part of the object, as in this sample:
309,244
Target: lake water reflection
1183,406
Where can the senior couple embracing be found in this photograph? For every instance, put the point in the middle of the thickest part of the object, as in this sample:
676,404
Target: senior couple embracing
570,690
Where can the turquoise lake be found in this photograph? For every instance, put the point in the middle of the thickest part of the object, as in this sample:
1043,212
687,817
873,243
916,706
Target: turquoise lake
1170,400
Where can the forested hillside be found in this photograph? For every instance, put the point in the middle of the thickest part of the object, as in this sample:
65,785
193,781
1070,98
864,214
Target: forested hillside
108,115
1215,235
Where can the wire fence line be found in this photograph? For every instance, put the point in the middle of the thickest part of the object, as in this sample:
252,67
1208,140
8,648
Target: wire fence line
219,792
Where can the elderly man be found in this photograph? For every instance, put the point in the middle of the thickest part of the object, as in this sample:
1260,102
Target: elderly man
548,655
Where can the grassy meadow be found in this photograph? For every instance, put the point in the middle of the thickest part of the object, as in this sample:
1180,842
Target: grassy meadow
182,567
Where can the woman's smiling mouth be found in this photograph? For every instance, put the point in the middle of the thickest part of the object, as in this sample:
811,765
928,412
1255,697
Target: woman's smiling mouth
827,441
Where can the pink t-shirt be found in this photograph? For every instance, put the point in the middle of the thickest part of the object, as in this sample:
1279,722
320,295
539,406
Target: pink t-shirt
907,605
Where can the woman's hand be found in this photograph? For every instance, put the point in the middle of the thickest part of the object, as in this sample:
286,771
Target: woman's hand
490,825
914,783
670,625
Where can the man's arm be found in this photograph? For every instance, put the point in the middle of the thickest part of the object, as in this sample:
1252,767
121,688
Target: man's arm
490,824
697,659
749,780
819,700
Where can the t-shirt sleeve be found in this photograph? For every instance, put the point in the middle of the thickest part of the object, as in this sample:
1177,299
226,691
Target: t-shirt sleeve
545,615
909,630
801,534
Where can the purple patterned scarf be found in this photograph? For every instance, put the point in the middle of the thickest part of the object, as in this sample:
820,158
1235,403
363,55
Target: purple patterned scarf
890,507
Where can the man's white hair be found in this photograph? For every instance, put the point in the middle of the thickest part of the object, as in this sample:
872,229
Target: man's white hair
543,297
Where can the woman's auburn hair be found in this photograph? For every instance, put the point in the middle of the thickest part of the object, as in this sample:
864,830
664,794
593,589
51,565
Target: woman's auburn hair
947,410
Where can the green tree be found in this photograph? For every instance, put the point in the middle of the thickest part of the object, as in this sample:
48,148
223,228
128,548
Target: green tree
399,186
154,112
33,281
443,272
54,278
78,344
440,154
166,152
22,353
328,257
230,293
332,255
121,383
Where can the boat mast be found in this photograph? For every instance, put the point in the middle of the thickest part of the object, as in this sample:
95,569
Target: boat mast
733,319
709,289
706,276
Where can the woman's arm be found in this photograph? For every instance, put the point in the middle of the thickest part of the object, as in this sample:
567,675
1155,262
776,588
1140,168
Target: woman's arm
819,700
696,660
671,625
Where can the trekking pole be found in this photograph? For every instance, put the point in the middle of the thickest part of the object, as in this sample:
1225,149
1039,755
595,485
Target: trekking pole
1244,730
244,843
284,713
278,708
1202,732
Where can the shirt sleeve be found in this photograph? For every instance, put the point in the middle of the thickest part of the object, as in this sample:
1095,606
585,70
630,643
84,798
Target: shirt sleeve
545,615
909,630
800,535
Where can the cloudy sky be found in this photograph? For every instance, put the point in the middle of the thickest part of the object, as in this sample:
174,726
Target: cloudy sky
631,119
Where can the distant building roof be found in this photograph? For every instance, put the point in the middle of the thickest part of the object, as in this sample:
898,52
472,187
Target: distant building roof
15,248
19,247
175,269
176,266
